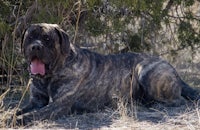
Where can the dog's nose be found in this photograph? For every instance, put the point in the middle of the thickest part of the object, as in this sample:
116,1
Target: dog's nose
36,46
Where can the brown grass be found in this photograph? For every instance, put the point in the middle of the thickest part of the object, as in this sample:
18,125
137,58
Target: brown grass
157,117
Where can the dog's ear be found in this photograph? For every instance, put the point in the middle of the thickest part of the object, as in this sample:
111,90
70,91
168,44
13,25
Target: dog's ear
64,41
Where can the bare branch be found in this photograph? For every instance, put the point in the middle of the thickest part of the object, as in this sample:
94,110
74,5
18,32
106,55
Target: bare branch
169,5
23,20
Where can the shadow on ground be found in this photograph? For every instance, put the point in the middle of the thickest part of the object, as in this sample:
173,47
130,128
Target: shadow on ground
108,119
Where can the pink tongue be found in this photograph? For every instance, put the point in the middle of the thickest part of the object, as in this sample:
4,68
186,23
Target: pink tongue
37,67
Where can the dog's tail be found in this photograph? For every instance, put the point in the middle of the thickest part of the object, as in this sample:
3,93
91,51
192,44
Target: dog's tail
189,92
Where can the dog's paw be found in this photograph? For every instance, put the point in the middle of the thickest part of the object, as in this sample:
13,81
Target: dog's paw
17,121
19,112
12,122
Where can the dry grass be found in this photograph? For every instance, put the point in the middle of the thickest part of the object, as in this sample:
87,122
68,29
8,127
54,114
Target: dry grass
156,117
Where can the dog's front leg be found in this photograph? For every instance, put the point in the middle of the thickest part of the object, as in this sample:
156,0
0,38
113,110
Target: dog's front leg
51,111
38,97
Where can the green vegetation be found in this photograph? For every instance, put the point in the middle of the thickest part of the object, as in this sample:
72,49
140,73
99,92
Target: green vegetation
110,26
113,26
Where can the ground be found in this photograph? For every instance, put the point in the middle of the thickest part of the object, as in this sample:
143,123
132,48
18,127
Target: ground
139,118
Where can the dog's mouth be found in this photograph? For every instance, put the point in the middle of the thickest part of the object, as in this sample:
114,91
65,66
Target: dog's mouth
37,66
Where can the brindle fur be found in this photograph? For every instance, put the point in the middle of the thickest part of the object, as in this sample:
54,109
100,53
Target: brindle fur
81,79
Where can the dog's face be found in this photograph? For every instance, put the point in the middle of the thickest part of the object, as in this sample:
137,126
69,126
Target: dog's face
43,44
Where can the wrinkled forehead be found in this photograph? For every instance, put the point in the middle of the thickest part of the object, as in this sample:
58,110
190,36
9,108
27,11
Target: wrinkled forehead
41,28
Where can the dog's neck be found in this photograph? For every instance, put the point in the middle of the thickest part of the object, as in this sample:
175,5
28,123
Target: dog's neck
71,56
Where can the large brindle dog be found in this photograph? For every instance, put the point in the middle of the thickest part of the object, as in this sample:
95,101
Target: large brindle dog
65,77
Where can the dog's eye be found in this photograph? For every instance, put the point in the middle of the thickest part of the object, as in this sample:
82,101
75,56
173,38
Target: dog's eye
46,38
30,37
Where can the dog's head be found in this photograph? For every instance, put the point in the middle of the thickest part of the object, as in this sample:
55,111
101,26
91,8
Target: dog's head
43,44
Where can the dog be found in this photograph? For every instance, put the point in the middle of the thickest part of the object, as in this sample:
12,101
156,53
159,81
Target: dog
66,77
